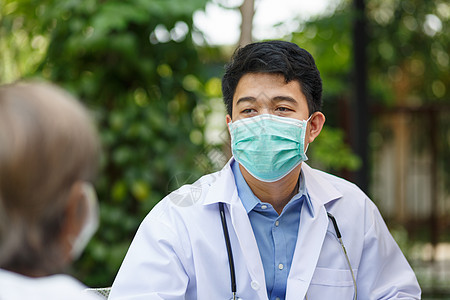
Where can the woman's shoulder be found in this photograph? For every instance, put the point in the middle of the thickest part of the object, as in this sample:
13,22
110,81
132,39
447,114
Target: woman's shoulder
15,286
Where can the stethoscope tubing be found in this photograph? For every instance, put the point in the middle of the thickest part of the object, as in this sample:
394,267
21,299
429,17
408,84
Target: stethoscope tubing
339,237
229,250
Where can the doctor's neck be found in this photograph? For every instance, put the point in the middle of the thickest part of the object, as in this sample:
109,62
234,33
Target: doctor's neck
277,193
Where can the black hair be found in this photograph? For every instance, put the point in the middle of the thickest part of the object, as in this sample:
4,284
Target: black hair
277,57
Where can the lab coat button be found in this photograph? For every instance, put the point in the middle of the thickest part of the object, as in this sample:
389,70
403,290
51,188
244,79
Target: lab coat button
255,285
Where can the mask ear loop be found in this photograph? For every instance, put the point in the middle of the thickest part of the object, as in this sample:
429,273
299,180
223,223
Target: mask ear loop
305,134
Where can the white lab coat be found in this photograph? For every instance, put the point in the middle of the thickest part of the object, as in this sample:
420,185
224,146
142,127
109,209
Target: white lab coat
179,250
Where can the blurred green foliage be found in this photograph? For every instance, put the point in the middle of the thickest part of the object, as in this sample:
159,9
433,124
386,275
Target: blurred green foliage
408,61
409,48
408,43
330,152
135,65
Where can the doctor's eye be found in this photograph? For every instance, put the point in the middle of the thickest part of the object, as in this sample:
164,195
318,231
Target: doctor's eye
283,109
248,111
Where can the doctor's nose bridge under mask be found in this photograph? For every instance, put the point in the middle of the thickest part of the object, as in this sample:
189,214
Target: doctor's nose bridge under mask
268,146
231,259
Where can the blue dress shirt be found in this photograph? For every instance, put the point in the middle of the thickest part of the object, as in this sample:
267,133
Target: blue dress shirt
276,235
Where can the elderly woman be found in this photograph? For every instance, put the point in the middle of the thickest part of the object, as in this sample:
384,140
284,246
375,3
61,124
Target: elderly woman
49,152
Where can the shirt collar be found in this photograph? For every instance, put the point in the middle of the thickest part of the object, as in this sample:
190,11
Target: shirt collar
250,201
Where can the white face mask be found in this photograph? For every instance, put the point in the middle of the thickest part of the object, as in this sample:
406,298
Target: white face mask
91,221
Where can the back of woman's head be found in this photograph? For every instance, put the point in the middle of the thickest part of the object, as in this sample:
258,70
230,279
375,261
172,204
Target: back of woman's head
47,143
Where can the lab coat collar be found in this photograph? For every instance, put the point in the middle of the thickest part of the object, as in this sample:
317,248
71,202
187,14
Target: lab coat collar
311,234
320,191
222,186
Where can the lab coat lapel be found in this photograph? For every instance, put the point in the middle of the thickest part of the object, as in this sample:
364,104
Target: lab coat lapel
225,190
311,234
249,247
312,230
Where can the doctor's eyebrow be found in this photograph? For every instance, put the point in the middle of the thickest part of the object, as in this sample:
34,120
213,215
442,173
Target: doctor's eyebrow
274,99
284,98
245,99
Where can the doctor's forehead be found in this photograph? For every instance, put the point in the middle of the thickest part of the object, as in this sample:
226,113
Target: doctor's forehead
255,87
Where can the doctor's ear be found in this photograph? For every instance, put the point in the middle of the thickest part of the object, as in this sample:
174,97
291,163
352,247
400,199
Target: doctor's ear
315,126
228,120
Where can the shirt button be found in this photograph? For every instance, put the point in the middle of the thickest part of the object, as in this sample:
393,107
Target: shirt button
255,285
277,298
263,206
280,266
276,224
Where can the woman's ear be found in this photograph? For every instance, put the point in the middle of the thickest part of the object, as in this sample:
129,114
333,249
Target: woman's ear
315,126
74,218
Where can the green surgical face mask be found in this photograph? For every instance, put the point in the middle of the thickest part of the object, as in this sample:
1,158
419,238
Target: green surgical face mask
267,146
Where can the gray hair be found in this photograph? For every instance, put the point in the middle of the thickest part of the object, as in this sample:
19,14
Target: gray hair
47,143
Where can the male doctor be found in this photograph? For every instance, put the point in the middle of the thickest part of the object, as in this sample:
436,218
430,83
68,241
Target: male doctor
267,226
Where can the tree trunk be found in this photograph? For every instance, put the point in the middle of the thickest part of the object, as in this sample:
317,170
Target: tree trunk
247,10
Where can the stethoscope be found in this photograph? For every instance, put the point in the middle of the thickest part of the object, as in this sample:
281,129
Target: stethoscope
231,260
